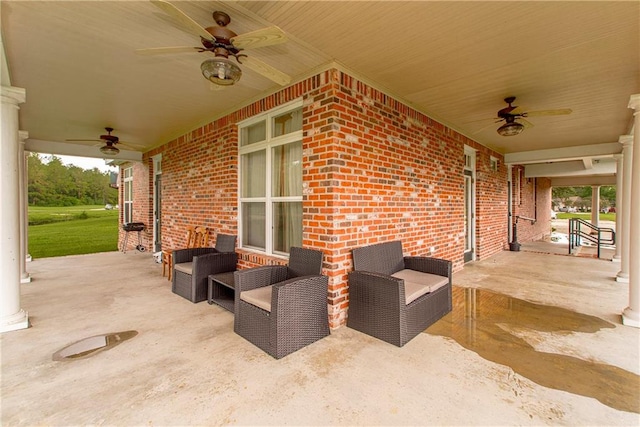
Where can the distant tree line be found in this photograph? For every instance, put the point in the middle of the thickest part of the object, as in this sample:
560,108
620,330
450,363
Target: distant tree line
52,183
580,197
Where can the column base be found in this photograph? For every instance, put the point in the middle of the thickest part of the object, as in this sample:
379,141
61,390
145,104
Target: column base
29,259
622,277
631,318
17,321
25,279
616,258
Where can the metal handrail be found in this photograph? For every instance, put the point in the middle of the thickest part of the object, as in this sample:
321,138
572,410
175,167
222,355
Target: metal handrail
594,235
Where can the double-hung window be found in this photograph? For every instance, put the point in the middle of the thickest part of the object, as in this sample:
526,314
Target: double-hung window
127,195
270,185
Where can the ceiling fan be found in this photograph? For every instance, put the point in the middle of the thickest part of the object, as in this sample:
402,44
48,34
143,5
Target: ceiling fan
514,117
223,43
109,148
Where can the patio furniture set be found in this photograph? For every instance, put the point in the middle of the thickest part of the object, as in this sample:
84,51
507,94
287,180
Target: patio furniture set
283,308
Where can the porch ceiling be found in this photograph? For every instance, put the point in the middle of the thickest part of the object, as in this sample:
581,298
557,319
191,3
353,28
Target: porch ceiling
454,61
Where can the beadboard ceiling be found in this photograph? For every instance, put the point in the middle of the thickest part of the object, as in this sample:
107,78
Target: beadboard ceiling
454,61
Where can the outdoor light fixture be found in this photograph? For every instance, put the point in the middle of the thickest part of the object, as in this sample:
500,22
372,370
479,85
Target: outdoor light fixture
221,71
109,150
510,129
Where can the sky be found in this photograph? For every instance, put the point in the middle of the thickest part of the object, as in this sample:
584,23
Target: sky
84,162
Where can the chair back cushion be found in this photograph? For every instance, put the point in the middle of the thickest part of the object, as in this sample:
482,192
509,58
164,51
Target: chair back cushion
304,262
226,243
384,258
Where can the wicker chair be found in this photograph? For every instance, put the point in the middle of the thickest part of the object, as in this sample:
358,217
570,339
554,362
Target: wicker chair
393,297
283,308
192,267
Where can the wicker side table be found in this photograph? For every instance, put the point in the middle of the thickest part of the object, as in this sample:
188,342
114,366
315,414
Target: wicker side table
222,290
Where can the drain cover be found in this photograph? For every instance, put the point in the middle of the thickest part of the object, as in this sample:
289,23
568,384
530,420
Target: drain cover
92,345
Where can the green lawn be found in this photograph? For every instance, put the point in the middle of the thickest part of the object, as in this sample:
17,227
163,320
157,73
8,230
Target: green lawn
587,216
59,231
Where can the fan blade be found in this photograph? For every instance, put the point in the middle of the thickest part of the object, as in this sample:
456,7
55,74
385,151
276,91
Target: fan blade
266,70
559,112
526,123
166,50
84,140
494,119
259,38
185,20
483,128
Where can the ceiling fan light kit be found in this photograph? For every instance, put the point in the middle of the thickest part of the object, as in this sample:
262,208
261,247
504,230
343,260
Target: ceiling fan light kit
221,71
510,129
109,150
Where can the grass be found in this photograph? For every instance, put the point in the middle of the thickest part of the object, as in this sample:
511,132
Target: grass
60,231
587,216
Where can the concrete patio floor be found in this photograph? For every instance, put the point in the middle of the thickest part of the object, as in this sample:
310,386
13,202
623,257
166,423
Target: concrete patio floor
187,367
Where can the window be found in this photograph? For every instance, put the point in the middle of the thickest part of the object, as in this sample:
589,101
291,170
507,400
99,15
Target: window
127,196
270,185
493,164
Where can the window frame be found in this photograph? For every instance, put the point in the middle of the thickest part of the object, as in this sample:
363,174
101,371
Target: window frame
127,205
267,145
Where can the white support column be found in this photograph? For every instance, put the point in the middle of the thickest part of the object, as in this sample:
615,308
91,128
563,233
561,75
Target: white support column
595,205
625,211
12,317
510,208
619,233
631,314
24,219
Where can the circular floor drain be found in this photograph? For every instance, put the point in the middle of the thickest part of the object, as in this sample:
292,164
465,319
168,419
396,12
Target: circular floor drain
92,345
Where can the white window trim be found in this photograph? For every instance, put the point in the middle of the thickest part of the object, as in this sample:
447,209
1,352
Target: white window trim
265,145
124,193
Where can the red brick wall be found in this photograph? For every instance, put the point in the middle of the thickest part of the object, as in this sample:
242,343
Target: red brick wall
534,202
142,205
492,218
373,170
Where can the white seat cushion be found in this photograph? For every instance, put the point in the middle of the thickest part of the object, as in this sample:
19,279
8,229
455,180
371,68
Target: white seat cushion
260,297
185,267
417,283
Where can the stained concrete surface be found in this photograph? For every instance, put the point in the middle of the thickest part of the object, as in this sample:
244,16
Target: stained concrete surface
187,367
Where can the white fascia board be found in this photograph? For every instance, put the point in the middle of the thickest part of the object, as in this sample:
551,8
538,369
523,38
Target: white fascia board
66,149
582,181
563,154
572,168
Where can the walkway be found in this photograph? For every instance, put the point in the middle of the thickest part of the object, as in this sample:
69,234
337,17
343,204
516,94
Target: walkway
186,366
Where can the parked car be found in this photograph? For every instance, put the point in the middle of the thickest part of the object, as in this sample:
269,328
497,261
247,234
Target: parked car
553,214
108,206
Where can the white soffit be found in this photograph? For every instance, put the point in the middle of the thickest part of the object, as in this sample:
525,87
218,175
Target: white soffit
61,148
563,154
570,168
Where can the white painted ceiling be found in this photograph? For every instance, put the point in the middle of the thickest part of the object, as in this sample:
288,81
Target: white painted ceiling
454,61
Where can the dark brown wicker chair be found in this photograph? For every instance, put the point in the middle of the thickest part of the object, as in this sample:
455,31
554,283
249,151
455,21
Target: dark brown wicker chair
389,296
282,308
192,267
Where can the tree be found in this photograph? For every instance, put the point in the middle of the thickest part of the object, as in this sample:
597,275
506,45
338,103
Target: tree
51,183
